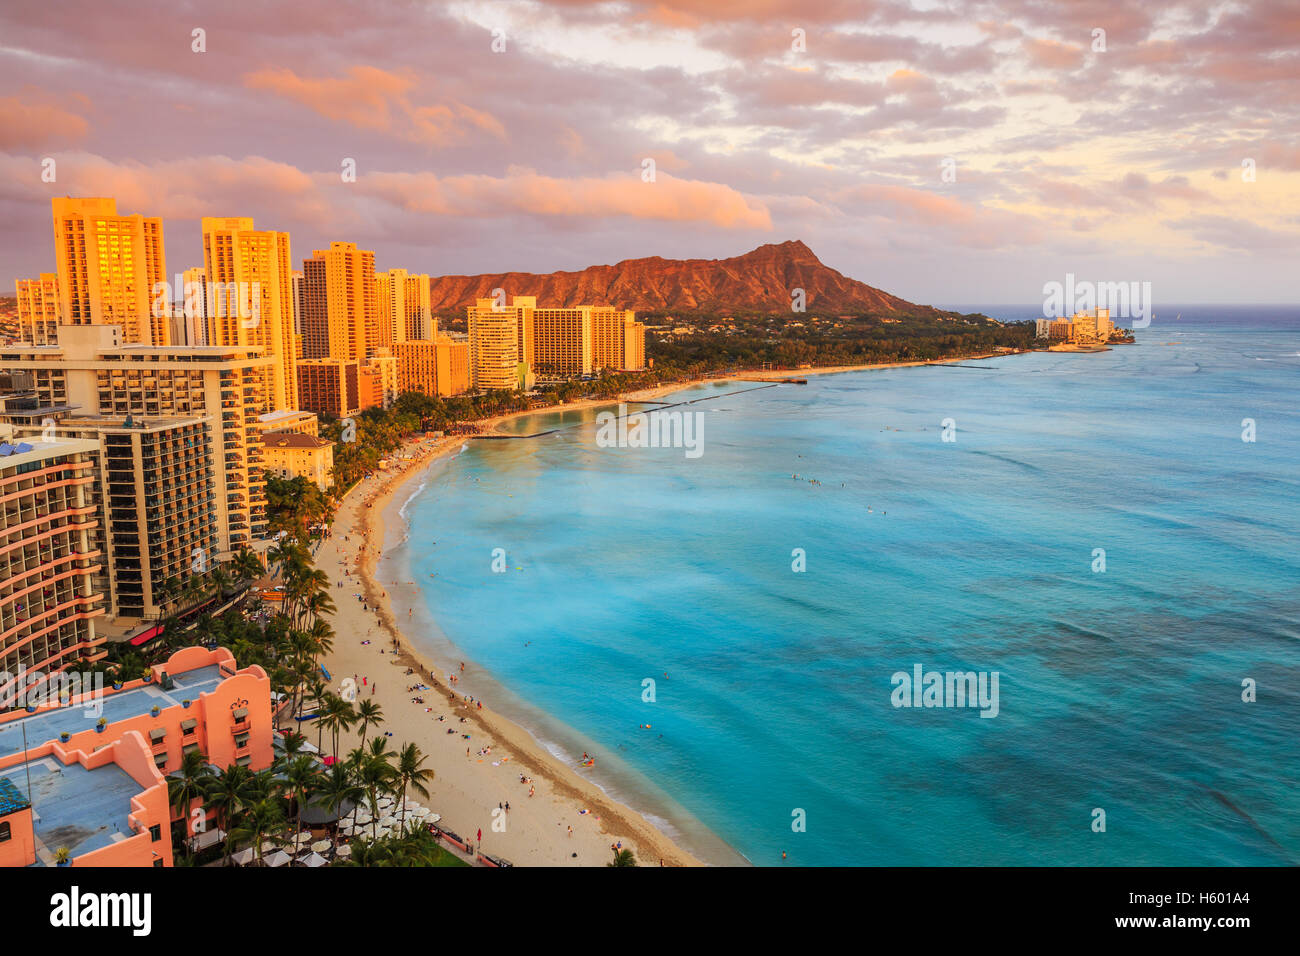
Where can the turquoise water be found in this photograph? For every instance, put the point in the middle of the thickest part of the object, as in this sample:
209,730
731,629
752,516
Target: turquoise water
1119,690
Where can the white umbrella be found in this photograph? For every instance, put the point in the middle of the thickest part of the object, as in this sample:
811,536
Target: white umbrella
320,846
278,858
434,817
345,850
421,812
314,860
243,857
383,832
388,821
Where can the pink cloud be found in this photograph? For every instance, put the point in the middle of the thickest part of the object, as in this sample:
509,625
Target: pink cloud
374,99
34,119
526,191
1051,55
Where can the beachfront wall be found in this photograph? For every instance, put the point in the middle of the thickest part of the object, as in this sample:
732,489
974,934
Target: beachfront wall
149,816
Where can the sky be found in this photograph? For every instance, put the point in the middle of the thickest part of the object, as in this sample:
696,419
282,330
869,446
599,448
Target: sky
947,152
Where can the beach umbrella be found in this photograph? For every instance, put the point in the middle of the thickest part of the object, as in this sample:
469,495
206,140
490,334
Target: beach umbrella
278,858
388,821
244,857
345,850
433,818
314,860
320,846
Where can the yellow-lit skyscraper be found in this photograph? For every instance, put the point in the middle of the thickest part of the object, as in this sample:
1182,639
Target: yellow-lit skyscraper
242,262
38,309
390,290
420,323
340,317
500,343
108,268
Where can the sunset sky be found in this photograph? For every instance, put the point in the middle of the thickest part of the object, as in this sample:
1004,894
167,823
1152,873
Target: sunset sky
1117,165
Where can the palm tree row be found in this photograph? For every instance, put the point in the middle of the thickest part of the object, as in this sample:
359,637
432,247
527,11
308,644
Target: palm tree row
253,807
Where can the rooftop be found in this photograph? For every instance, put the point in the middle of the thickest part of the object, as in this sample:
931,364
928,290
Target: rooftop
46,726
293,440
283,414
73,807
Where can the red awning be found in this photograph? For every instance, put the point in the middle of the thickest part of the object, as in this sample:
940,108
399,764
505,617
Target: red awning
144,637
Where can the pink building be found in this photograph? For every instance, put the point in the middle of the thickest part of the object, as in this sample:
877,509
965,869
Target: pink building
197,700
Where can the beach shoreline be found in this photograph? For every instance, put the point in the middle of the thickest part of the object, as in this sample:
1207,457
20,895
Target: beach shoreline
551,827
468,787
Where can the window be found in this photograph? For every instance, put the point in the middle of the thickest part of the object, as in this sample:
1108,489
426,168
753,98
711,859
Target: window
155,832
4,832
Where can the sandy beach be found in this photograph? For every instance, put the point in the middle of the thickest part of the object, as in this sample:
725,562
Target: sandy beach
567,821
556,817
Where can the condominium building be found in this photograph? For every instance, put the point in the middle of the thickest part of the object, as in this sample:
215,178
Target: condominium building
304,423
48,561
562,343
154,491
252,301
38,308
340,316
556,344
330,386
501,344
420,323
109,267
189,319
390,292
377,382
438,367
92,373
295,455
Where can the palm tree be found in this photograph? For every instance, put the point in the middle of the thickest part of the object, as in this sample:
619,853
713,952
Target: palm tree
337,790
339,716
412,772
228,792
376,775
261,817
245,566
623,858
219,581
302,779
369,714
186,784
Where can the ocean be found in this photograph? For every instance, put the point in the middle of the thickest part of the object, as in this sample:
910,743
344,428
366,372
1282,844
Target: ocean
773,727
